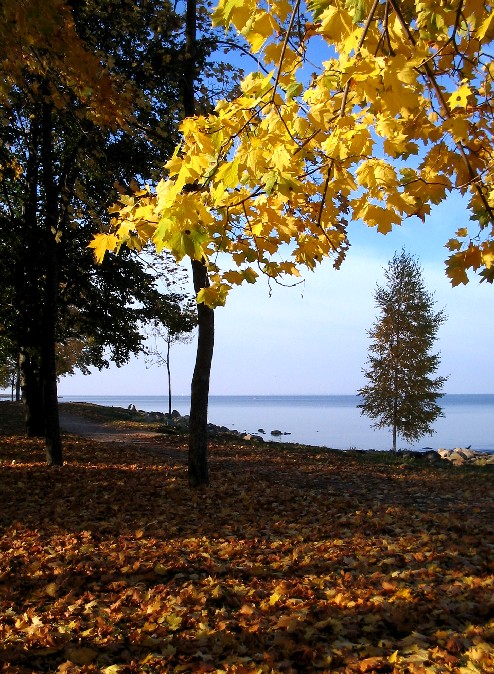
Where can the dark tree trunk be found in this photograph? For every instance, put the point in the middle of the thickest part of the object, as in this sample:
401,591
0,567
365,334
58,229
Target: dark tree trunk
50,308
169,373
32,395
198,442
28,297
18,382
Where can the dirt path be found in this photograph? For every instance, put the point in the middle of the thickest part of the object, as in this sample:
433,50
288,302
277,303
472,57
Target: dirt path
154,444
71,423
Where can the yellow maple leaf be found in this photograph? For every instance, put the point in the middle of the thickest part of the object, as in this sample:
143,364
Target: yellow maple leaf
458,98
488,258
214,296
382,218
102,243
174,621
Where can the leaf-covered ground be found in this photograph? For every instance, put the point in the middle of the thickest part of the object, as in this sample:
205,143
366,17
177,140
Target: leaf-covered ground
294,560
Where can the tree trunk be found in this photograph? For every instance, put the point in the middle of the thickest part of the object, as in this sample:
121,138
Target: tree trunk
18,381
168,370
32,395
395,405
50,309
198,439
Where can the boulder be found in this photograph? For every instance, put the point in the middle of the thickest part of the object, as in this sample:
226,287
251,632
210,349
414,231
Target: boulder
432,456
466,453
276,432
456,458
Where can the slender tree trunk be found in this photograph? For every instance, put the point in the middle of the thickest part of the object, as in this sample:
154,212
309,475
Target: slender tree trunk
18,381
198,442
48,356
198,438
168,370
395,406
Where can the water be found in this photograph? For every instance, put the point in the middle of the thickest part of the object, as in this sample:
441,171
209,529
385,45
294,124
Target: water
329,421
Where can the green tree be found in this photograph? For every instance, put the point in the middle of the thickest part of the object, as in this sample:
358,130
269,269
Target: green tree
59,160
402,391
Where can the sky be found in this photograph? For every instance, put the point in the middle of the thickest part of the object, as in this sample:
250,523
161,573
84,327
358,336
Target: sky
312,338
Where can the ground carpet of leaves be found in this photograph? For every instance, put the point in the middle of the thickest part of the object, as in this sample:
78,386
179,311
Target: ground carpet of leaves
293,560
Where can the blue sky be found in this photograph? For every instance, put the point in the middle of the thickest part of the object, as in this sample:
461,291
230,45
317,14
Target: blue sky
311,339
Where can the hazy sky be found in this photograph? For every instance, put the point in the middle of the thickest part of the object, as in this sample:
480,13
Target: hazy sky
312,339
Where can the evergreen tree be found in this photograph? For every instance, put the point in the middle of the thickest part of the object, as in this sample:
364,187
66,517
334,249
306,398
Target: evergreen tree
402,391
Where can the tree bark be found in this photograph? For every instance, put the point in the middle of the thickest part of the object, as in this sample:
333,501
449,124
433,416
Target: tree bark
169,373
18,382
198,438
50,310
27,294
32,396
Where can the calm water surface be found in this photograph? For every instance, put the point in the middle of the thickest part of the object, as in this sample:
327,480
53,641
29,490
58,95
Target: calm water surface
330,421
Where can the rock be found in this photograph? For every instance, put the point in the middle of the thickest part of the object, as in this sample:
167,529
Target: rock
175,414
261,430
432,456
465,453
276,432
444,453
456,458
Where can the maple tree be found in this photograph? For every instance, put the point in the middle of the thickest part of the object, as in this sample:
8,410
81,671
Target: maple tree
359,564
397,115
402,392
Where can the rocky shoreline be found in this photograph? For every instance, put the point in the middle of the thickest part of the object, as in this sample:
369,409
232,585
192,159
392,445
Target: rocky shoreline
459,456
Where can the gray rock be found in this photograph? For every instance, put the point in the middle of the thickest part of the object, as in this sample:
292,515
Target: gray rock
276,432
261,430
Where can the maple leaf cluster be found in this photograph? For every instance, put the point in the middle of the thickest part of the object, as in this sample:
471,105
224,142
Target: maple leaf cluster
295,560
398,116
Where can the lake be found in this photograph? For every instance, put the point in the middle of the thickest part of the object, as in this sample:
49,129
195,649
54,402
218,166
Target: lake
329,421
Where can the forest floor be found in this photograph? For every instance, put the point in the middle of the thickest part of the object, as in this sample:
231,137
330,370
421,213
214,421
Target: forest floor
294,560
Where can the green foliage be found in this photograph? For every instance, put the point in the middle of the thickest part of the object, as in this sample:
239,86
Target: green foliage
101,309
402,392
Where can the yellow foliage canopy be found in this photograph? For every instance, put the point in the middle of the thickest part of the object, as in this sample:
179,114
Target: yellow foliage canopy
399,115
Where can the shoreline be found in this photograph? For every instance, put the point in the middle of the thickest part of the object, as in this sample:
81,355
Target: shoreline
176,424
